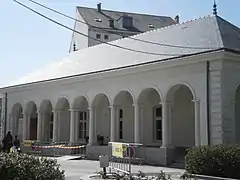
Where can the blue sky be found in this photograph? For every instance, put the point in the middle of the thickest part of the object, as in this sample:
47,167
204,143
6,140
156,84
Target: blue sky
29,42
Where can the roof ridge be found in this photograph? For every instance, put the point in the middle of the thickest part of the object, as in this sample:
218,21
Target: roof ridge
135,13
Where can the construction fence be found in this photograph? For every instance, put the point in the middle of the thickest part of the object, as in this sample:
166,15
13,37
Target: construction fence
53,149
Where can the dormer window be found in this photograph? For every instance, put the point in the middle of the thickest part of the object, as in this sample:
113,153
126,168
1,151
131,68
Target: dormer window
151,26
127,22
98,20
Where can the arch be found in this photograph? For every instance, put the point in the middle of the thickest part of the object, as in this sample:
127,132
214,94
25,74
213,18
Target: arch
175,87
30,107
46,106
80,101
63,119
237,116
98,97
17,120
182,115
103,117
124,102
150,116
62,103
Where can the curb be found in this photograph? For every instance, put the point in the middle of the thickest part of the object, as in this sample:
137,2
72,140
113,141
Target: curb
211,177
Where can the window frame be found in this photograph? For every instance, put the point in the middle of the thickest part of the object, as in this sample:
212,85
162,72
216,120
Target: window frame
155,119
83,121
106,37
98,36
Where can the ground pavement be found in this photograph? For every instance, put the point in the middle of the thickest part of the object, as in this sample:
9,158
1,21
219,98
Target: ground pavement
82,169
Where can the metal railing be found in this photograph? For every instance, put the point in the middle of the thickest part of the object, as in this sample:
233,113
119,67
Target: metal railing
123,155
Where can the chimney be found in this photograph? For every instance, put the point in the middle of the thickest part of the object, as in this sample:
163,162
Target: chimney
99,8
176,19
111,23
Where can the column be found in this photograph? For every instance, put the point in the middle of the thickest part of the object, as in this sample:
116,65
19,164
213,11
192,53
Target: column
165,124
39,126
72,125
137,124
142,123
55,125
197,122
91,126
25,122
77,125
113,124
117,123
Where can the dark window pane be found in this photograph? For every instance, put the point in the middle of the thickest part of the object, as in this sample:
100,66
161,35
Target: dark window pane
120,113
106,37
120,134
158,135
85,115
121,125
159,112
81,116
98,36
158,124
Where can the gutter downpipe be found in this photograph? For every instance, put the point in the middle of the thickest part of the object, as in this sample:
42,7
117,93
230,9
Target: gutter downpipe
208,102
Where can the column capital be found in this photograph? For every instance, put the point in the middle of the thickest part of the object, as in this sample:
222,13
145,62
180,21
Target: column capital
56,110
165,102
74,110
196,101
137,104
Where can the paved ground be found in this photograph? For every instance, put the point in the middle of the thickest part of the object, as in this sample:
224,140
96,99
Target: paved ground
82,169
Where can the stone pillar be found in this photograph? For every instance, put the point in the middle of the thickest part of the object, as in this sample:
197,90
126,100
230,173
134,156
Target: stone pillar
137,125
165,125
25,123
117,123
142,123
55,125
91,127
113,124
77,126
72,125
197,122
39,126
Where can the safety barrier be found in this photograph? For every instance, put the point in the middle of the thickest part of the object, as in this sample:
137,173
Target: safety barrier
54,148
122,155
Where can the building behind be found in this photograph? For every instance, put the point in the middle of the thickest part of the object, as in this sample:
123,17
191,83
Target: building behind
106,25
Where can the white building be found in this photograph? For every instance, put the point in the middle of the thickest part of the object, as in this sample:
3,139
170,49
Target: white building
106,25
183,97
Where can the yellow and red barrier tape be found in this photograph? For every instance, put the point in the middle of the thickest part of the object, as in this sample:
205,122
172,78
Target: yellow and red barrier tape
58,146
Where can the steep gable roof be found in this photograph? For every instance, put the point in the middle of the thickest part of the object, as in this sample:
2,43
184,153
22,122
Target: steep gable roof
140,21
201,35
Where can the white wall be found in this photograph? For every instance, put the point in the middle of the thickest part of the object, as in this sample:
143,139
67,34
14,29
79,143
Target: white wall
161,76
80,40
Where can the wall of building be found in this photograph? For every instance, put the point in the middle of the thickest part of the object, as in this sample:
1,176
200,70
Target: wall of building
135,80
80,40
111,36
230,83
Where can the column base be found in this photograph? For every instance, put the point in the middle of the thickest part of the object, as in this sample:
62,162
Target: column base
167,155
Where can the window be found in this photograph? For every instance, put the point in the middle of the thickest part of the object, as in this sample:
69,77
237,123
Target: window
151,26
82,125
98,36
106,37
120,124
98,20
158,123
127,22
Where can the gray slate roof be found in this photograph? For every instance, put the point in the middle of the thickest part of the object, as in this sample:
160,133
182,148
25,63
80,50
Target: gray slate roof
206,34
140,21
